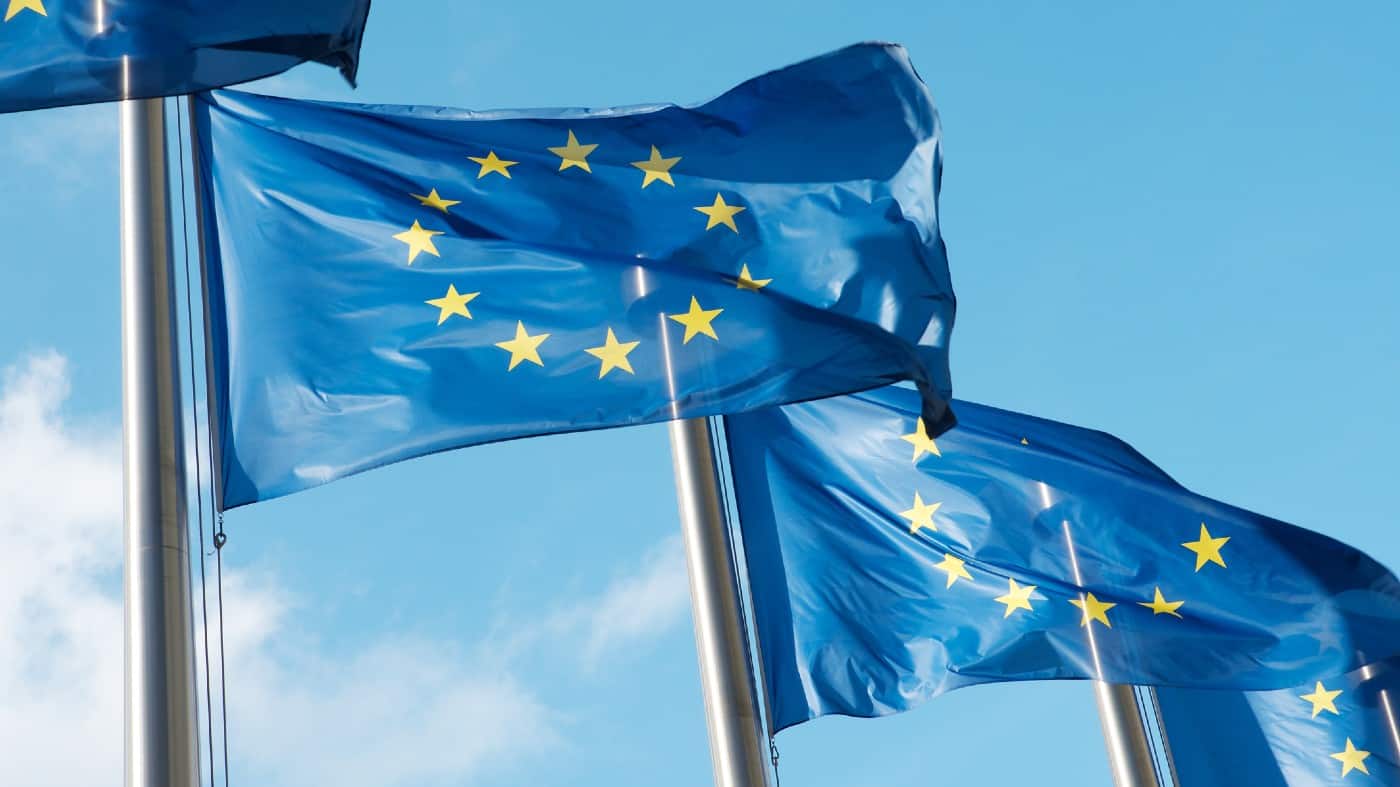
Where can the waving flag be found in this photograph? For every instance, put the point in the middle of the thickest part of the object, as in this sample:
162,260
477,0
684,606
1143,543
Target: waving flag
60,52
386,282
888,566
1341,730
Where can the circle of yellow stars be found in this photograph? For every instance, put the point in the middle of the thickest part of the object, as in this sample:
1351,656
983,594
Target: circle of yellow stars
921,516
1207,549
524,346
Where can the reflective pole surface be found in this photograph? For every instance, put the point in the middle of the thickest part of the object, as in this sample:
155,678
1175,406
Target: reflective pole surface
737,743
1129,755
161,728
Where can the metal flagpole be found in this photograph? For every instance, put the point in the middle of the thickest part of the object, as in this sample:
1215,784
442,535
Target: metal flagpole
737,746
1129,754
162,747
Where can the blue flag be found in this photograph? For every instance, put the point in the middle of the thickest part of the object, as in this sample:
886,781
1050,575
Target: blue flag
1341,730
888,566
59,52
385,282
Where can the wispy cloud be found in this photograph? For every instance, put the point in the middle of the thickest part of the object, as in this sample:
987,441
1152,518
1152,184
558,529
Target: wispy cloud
637,606
641,604
396,711
60,603
70,146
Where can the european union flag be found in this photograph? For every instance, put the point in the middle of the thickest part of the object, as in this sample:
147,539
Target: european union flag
60,52
1340,730
888,566
385,282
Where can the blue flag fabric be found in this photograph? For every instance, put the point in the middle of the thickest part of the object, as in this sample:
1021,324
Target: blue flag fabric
1341,730
887,567
61,52
386,282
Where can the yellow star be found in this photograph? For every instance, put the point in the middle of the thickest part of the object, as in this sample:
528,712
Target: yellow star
1323,700
523,347
16,6
1093,609
452,303
746,280
613,354
697,321
1161,606
1017,597
921,515
656,168
490,163
1353,759
573,154
418,240
1207,549
923,444
955,568
721,213
434,201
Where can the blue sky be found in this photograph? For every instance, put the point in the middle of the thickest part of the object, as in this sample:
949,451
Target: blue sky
1173,223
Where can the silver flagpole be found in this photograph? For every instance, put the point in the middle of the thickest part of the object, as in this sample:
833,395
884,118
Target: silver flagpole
161,730
1129,754
737,743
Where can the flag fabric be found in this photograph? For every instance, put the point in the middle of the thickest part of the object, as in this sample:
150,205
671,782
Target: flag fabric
887,566
1341,730
61,52
386,282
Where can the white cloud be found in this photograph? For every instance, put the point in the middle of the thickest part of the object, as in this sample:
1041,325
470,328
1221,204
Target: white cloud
637,606
399,711
70,146
60,608
395,712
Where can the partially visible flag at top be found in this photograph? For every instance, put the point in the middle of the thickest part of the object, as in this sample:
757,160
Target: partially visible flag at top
385,282
888,566
1339,730
60,52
